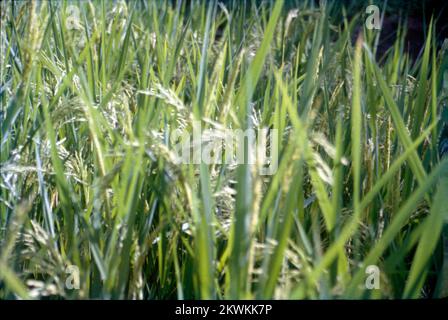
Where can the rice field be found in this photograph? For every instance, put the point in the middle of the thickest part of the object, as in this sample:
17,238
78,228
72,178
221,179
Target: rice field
95,202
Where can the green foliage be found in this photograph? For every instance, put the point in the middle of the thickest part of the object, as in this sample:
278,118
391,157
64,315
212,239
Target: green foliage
91,91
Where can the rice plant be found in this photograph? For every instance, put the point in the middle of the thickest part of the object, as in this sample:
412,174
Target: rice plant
95,204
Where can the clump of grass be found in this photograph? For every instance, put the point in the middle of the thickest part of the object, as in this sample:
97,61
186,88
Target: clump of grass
90,92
